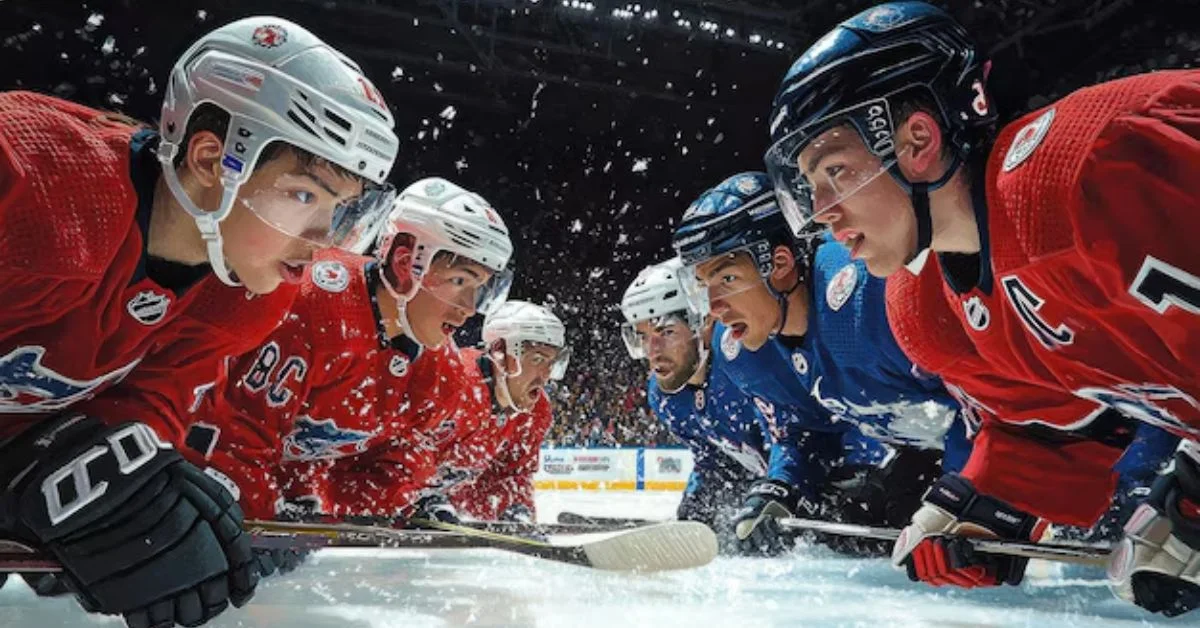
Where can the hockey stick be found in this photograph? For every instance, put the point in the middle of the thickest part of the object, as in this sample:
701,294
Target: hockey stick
571,518
1094,555
543,529
662,547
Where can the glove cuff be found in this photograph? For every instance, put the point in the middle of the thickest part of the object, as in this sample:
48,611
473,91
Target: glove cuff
957,496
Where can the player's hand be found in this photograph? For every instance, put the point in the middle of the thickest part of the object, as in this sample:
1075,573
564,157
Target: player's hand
436,508
755,526
268,562
954,509
139,531
1157,565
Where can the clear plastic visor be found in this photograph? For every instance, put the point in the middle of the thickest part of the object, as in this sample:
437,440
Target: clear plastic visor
812,174
649,337
719,278
310,208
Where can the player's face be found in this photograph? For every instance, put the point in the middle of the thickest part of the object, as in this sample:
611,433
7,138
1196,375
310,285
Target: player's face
445,299
671,350
868,213
537,359
739,298
282,211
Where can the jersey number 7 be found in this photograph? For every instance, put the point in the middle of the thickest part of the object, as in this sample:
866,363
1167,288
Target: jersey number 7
1160,285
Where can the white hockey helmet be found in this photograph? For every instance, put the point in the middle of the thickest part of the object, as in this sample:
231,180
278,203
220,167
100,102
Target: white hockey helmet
441,216
656,292
518,322
279,82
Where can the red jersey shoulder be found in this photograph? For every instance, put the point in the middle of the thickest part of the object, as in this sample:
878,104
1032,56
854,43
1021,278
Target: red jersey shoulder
67,201
335,302
232,317
925,327
1033,173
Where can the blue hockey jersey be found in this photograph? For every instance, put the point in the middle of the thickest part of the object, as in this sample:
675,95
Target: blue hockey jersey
718,423
848,369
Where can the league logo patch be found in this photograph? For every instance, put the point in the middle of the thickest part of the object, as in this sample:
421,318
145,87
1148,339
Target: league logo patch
331,276
28,386
699,399
800,363
313,439
1027,140
841,287
269,36
978,315
148,307
730,346
398,366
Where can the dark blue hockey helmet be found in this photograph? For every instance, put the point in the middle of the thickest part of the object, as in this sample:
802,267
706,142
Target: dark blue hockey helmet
740,214
856,77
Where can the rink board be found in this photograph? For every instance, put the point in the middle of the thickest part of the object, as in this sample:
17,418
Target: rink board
614,469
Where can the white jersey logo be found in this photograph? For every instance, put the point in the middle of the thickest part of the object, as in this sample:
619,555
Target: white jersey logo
398,366
148,307
1028,138
699,399
330,276
730,346
800,363
841,287
978,315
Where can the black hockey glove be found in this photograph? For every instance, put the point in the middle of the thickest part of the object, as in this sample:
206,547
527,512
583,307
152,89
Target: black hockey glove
1157,566
139,531
755,526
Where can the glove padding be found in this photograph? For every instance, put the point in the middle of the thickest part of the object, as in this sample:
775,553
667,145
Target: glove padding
755,526
1157,565
269,561
139,531
952,507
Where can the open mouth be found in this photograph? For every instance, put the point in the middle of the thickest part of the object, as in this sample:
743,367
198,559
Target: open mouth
737,330
292,272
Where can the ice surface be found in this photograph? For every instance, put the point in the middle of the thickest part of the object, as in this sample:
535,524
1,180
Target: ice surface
813,587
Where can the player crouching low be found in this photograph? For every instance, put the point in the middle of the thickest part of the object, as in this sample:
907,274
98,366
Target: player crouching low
332,414
694,398
524,349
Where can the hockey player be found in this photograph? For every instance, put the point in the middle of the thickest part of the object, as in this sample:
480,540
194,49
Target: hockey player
804,327
110,230
696,400
525,348
363,375
1046,271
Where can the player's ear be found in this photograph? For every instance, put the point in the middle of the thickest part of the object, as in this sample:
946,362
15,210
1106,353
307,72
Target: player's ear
920,147
783,264
203,158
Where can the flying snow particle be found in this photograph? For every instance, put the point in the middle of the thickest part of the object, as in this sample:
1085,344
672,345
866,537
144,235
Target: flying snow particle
576,226
109,45
461,164
640,164
201,15
95,20
448,113
397,72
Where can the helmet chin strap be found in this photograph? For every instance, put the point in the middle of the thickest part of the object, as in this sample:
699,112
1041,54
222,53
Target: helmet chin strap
209,223
781,297
919,193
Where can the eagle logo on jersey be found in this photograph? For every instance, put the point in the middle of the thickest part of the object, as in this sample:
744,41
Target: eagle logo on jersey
319,439
27,386
841,287
148,307
730,347
331,276
1028,138
978,316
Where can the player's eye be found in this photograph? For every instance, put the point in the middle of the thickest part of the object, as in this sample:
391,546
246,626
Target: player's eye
304,196
668,333
833,171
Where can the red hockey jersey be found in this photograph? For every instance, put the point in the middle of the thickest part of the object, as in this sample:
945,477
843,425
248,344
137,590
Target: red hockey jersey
506,479
1089,297
80,312
327,383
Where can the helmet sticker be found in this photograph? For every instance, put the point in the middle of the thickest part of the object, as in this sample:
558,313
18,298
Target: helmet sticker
269,36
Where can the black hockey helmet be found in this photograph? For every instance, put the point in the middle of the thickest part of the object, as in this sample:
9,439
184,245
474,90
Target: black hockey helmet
858,74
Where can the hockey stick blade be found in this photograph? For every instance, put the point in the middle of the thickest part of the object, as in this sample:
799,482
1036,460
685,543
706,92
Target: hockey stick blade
1094,555
660,547
571,518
